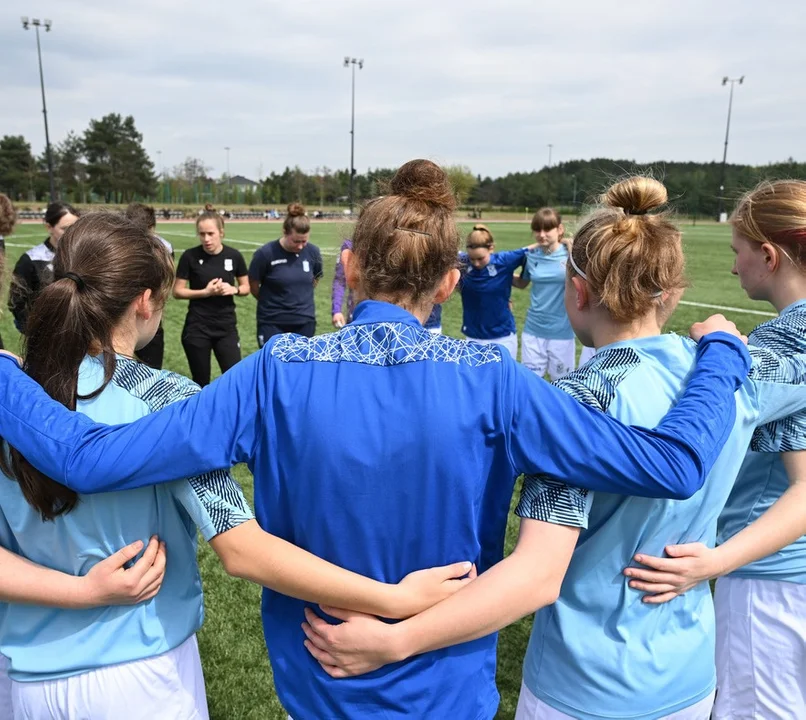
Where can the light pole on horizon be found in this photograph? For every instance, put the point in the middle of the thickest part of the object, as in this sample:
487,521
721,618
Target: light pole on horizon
725,81
348,61
550,146
26,25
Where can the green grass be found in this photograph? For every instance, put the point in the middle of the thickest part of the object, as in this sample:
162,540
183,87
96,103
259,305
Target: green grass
237,672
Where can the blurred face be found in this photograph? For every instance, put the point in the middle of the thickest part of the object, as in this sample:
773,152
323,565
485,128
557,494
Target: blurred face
479,257
56,231
548,239
750,266
295,241
210,237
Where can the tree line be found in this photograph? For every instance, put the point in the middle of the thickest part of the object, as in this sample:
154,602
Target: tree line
107,163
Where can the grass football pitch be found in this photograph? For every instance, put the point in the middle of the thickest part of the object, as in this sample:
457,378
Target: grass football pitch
236,668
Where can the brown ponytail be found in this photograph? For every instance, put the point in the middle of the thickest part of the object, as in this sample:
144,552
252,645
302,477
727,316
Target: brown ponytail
103,262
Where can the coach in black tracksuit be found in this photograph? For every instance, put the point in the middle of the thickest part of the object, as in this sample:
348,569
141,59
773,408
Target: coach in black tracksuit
34,269
282,276
209,276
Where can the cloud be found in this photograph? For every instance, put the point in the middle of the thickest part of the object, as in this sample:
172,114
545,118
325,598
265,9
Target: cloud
489,85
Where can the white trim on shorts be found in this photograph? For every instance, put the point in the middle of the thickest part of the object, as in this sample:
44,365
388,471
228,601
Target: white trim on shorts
510,342
169,686
760,649
540,355
530,707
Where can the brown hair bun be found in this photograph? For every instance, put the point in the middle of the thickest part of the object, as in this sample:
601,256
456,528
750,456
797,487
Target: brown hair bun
424,181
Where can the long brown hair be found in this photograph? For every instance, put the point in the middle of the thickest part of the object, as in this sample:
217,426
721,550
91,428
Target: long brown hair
103,262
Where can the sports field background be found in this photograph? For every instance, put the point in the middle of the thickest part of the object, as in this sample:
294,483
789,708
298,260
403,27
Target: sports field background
236,667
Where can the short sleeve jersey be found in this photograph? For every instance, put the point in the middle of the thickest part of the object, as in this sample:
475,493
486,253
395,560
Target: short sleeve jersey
763,478
664,653
485,295
546,317
199,268
99,525
286,282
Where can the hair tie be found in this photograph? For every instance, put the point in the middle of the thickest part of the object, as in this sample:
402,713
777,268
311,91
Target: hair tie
634,212
77,279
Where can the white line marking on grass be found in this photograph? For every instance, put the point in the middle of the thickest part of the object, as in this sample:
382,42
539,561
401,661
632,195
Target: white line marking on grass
730,309
227,238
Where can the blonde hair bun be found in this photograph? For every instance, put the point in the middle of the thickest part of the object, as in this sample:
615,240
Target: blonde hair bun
295,210
636,195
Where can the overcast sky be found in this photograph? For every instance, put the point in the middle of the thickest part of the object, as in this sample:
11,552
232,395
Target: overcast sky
486,84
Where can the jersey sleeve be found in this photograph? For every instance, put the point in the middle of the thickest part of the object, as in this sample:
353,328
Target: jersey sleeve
525,269
213,429
240,265
779,382
183,267
548,432
338,287
554,502
214,500
512,259
257,268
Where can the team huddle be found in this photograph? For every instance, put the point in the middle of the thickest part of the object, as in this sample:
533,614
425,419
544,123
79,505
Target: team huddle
661,463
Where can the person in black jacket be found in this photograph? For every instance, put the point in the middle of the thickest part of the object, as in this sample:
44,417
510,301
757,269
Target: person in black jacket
34,269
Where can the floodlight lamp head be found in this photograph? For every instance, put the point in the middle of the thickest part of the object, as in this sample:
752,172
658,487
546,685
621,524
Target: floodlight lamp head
741,80
361,63
25,23
725,80
48,23
35,21
346,61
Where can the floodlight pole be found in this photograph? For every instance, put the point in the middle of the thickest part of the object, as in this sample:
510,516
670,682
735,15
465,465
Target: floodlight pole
26,26
550,146
725,81
348,61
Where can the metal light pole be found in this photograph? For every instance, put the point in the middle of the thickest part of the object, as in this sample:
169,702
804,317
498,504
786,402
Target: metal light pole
347,62
725,81
550,146
47,25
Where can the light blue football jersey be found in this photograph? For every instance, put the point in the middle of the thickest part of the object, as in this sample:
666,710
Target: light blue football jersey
546,317
599,651
762,479
44,643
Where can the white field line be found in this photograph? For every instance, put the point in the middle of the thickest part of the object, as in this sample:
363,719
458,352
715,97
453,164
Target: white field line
227,238
728,308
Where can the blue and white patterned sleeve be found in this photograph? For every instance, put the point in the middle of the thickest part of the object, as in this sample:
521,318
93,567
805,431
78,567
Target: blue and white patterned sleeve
779,375
542,497
554,502
214,501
